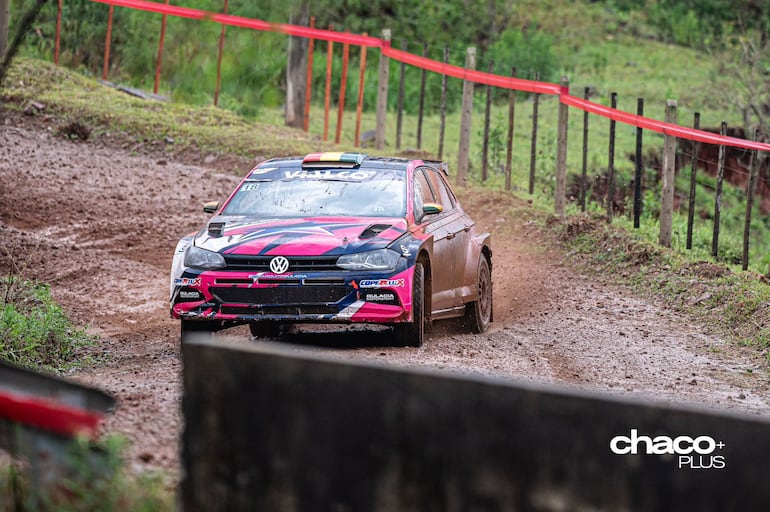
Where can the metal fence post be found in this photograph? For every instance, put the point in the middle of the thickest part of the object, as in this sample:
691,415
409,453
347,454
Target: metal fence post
638,167
611,162
718,195
533,145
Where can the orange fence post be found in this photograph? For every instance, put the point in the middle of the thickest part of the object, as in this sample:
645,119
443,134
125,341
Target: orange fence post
308,79
360,104
159,60
330,48
58,34
219,59
107,40
343,85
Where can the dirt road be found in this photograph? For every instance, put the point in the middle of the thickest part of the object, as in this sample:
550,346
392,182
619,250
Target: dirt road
99,221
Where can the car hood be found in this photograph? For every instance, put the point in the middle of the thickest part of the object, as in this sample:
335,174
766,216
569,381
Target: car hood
299,237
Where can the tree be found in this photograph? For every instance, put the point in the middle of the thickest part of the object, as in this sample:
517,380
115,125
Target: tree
5,15
296,69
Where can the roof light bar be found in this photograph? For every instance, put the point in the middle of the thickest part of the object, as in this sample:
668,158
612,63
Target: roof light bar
346,160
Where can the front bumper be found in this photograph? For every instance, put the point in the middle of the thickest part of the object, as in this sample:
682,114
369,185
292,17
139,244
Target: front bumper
339,297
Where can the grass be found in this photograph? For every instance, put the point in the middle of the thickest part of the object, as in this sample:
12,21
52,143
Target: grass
96,480
34,330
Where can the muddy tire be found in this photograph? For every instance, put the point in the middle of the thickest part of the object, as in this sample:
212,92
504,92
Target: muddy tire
412,334
478,314
265,329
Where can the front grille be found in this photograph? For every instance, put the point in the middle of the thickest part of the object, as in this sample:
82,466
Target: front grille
279,310
280,294
296,263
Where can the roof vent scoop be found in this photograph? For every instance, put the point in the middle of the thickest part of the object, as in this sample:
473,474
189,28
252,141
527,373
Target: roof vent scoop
374,230
216,228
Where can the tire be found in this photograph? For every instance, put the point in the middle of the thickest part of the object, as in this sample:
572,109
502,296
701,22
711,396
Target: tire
478,314
412,334
265,329
197,329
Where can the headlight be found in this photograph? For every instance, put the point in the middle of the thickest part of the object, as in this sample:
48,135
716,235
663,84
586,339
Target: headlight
382,259
195,257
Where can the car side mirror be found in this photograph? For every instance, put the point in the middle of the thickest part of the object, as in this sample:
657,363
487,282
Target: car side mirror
432,208
211,207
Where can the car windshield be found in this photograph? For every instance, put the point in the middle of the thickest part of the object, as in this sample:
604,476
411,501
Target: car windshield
284,192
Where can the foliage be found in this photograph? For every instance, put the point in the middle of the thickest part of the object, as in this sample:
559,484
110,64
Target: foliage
97,481
34,331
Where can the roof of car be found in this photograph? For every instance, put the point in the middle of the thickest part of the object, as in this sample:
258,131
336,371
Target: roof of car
367,162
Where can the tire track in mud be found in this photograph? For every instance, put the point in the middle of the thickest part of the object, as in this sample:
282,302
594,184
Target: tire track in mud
100,224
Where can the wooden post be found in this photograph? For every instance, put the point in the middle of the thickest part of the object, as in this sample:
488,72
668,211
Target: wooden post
442,122
509,142
219,57
57,39
343,87
638,169
753,170
669,169
360,103
107,40
533,145
584,174
400,103
466,118
611,162
328,92
382,94
718,195
693,171
421,110
561,151
485,142
309,79
159,58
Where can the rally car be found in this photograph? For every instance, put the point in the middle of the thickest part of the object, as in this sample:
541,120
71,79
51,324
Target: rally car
335,237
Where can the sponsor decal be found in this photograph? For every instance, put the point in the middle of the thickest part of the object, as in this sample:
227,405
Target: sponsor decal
263,170
187,281
381,283
380,297
255,277
329,174
405,251
692,452
189,294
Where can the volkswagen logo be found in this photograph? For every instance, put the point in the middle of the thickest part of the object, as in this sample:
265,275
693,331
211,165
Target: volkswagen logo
279,265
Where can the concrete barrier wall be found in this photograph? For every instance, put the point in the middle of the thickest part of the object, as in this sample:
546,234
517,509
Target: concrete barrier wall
274,429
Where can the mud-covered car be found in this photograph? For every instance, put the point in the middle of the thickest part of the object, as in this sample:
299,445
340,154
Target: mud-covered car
335,238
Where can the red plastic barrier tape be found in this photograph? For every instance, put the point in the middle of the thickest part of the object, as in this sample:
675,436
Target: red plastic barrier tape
467,74
238,21
442,68
659,126
49,416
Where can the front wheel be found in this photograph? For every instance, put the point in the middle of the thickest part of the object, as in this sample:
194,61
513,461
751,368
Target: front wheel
265,329
412,334
479,312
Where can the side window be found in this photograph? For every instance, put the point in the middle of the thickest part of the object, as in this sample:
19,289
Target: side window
444,196
422,193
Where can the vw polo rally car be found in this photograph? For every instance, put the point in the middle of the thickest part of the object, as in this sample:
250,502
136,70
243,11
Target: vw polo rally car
335,237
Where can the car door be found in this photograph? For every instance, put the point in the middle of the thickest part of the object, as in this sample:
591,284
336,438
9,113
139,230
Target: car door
440,226
455,224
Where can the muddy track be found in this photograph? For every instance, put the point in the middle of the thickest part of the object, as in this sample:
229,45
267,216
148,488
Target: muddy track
99,222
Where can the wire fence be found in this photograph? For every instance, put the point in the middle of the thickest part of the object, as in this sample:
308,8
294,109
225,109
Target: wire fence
733,159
